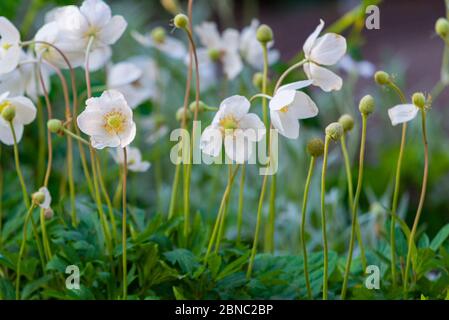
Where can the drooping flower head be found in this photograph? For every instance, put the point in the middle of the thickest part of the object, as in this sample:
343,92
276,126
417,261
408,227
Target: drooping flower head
136,78
238,128
108,120
9,46
402,113
288,105
24,113
322,51
134,158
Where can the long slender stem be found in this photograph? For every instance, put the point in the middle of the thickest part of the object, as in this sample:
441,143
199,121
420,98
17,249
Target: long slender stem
174,193
344,151
124,225
26,199
240,207
86,67
264,84
355,207
303,226
323,217
225,212
397,184
421,199
22,250
271,216
287,72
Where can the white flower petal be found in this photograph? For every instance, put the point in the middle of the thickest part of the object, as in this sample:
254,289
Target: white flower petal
282,99
113,30
296,85
290,125
303,106
235,105
211,141
173,47
8,32
10,58
402,113
98,58
322,77
208,34
97,12
328,49
230,39
237,146
128,135
251,121
232,65
123,73
47,199
308,44
91,123
25,110
6,134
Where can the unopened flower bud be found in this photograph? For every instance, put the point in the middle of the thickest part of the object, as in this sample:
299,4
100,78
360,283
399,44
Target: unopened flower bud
54,125
158,35
264,33
381,78
38,197
48,213
366,105
419,99
315,147
8,112
181,21
258,80
180,114
214,54
201,106
442,27
334,131
347,122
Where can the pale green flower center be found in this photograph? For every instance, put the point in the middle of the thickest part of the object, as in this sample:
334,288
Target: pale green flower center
6,45
3,105
214,54
114,122
284,109
229,123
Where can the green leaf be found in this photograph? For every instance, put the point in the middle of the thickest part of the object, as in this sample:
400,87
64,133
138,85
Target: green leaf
234,266
439,239
32,286
178,294
214,263
185,258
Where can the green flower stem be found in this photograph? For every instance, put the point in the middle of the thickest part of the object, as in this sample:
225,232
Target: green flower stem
303,226
421,199
104,223
264,85
397,184
240,207
174,193
22,250
1,199
225,213
124,225
45,241
106,197
287,72
355,207
26,198
269,236
323,217
75,136
344,151
220,213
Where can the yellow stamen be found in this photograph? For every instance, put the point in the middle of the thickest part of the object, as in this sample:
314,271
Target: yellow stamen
6,45
114,122
229,123
3,105
284,109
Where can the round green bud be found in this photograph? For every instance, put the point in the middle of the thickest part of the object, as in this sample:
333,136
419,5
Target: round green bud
264,34
180,114
181,21
347,122
334,131
9,112
214,54
258,80
366,105
158,35
381,78
54,125
442,27
419,99
315,147
38,197
201,106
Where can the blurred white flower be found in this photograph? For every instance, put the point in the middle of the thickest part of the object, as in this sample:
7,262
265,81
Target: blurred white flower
364,69
23,80
94,22
402,113
170,46
323,51
251,49
206,67
136,78
157,127
47,199
288,105
9,46
108,120
134,159
223,49
25,113
236,126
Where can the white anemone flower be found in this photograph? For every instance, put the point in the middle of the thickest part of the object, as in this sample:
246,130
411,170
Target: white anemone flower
365,69
135,78
25,113
252,51
220,48
321,51
134,159
170,46
402,113
94,22
288,105
47,198
108,120
9,46
238,128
